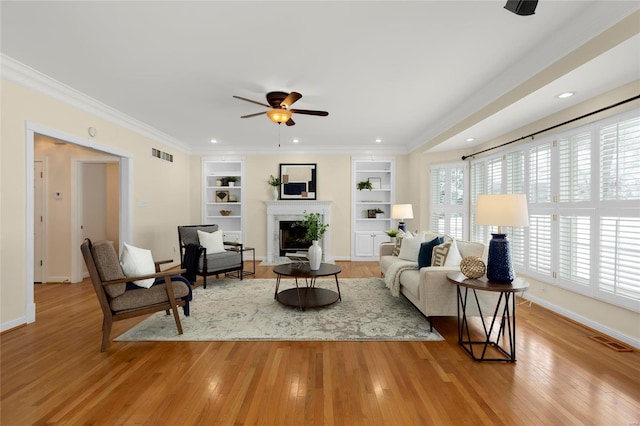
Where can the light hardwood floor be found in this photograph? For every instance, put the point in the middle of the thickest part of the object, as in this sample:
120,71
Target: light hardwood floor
53,373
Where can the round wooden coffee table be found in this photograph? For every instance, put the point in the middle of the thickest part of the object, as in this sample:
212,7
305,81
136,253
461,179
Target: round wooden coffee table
307,296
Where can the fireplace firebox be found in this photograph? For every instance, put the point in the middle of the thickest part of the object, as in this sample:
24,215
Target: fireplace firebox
291,237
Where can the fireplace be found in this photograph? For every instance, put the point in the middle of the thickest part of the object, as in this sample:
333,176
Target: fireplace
291,237
291,212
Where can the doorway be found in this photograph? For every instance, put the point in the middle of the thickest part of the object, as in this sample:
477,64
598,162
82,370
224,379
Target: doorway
125,200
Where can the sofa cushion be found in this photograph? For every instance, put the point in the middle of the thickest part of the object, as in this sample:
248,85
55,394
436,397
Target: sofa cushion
136,262
411,247
468,248
410,282
426,250
453,257
439,254
399,237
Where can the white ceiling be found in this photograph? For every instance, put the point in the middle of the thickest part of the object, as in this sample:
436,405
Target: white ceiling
402,71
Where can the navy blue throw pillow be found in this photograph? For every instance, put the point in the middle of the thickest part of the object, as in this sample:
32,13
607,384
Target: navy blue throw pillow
424,257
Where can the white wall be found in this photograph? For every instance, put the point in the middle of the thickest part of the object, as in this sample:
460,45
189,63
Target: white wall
160,189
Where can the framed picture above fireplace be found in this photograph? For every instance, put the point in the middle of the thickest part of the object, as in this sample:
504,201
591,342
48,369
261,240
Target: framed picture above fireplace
298,181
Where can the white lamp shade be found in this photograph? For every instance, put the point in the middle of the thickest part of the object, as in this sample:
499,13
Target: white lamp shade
502,210
401,211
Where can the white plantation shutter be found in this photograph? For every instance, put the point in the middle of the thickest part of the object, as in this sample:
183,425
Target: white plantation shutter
620,161
540,244
437,186
448,211
494,176
540,173
575,249
457,186
515,172
575,168
437,223
456,225
478,232
619,256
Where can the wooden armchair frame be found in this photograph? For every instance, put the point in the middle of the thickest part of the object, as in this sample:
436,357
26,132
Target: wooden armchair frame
109,315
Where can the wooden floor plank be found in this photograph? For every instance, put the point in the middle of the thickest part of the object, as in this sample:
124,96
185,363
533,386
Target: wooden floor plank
52,372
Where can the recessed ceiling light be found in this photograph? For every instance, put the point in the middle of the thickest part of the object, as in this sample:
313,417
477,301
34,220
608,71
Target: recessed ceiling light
566,95
470,139
214,141
378,140
295,141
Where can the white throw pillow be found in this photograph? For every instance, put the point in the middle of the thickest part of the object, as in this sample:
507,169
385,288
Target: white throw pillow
136,262
212,241
410,247
453,257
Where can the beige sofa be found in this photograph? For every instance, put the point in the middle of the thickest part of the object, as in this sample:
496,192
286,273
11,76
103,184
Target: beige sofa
429,289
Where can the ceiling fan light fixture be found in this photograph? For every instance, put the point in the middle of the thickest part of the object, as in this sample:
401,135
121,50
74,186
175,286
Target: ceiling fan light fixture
279,115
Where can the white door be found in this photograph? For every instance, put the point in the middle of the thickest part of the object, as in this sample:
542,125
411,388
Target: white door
38,222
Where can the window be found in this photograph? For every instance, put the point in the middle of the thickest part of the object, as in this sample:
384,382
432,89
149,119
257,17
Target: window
448,200
583,189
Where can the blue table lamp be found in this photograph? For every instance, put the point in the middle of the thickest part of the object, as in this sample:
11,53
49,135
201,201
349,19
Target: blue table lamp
501,210
402,212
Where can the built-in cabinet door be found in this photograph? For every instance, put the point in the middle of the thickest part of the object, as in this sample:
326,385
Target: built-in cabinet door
364,245
368,243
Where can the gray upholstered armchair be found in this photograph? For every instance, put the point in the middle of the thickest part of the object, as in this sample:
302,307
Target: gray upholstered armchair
195,259
119,299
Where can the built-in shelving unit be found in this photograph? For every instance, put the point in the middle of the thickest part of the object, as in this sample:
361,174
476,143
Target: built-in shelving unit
368,231
218,193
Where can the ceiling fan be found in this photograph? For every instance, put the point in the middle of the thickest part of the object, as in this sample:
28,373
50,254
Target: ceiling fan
279,104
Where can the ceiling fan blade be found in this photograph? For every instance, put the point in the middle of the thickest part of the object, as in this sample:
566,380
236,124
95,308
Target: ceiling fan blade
290,122
253,115
290,99
310,112
252,101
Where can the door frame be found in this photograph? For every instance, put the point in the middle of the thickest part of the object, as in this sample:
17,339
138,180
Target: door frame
45,213
126,196
76,210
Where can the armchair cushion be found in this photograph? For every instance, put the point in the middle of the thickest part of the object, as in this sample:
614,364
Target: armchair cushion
189,234
137,262
142,297
212,241
108,266
220,261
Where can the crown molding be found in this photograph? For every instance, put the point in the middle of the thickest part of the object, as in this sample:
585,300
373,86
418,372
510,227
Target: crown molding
30,78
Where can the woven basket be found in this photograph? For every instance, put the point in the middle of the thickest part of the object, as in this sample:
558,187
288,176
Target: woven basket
472,267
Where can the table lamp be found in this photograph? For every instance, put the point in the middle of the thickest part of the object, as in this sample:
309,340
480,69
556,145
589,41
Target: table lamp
402,212
501,210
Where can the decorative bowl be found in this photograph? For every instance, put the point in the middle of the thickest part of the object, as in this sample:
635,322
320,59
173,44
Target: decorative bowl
225,212
472,267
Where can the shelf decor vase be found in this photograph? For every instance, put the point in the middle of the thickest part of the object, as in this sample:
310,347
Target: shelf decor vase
275,193
314,255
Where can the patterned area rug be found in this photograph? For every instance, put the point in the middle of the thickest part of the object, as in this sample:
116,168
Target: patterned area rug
230,309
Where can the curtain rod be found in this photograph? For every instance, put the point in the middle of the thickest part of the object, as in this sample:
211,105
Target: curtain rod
464,157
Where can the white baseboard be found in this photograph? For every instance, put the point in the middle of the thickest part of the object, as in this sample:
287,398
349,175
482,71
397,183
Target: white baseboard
585,321
58,280
13,324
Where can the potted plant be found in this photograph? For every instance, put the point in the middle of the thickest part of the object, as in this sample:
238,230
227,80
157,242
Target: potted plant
392,233
275,183
379,213
232,180
365,184
315,229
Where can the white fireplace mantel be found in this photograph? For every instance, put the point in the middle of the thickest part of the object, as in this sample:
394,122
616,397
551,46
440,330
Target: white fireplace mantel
294,210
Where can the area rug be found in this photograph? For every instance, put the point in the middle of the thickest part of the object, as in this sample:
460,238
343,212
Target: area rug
230,309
